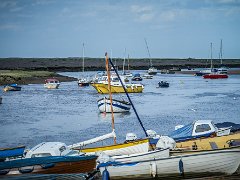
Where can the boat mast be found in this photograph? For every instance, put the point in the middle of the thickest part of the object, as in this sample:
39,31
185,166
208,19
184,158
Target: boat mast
148,53
83,59
110,95
128,63
211,58
221,52
124,61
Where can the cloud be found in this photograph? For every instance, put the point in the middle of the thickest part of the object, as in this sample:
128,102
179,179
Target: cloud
142,13
9,27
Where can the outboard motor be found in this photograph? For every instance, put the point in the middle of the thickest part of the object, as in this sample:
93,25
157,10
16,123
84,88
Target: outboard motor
165,142
131,137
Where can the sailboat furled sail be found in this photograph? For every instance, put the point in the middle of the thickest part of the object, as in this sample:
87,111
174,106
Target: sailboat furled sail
152,70
83,81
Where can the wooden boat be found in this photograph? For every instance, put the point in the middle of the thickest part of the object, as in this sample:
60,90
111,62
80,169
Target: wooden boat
205,163
52,83
49,165
137,146
12,87
49,158
104,105
11,152
163,84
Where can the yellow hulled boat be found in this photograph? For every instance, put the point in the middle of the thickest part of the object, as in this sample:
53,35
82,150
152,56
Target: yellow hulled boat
137,146
209,143
117,88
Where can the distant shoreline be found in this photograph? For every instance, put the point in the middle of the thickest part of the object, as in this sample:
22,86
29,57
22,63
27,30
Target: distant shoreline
98,64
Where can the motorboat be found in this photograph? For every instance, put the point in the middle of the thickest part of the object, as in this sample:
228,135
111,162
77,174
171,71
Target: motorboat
52,83
163,84
137,77
12,87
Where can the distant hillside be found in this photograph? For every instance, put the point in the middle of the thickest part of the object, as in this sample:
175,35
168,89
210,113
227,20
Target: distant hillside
75,64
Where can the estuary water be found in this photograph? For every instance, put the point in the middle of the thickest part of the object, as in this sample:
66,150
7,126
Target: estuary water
70,114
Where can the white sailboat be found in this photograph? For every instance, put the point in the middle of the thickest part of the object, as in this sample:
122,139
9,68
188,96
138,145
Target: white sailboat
83,81
152,70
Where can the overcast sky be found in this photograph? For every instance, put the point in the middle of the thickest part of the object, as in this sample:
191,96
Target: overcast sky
172,28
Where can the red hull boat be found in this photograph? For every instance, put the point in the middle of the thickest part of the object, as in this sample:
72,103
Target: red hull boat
215,76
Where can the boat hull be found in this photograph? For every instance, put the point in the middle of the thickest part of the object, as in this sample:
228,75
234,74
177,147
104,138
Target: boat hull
12,152
215,76
199,164
104,105
51,86
12,88
103,88
49,165
134,147
207,143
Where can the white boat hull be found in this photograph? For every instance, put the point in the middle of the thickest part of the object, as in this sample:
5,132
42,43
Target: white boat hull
225,161
52,85
142,156
104,105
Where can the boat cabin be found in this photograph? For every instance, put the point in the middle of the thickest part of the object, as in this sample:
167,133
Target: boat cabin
199,128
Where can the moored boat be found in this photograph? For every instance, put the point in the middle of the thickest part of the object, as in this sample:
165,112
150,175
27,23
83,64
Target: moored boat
137,77
12,87
116,87
52,83
104,105
163,84
147,76
205,163
215,76
203,135
11,152
152,71
83,82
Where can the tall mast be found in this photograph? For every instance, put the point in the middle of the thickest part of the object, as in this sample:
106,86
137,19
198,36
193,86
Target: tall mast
110,94
148,53
128,63
211,57
221,51
83,59
124,61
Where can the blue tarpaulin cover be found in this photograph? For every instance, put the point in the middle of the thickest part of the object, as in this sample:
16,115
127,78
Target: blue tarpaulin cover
183,133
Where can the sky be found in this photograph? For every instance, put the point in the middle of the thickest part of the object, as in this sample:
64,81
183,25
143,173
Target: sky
172,28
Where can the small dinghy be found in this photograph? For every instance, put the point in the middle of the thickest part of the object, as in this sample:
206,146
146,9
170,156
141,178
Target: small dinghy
163,84
12,87
104,105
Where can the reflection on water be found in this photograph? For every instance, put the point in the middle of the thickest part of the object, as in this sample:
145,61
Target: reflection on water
70,114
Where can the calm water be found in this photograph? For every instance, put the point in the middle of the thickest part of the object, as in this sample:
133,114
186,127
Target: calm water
70,114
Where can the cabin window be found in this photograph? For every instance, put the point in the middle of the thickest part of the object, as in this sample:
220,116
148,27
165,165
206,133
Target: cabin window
202,128
41,155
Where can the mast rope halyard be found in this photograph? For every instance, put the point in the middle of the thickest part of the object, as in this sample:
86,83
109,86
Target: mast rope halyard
128,97
110,95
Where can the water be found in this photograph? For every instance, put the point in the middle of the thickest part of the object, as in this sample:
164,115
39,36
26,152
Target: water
70,114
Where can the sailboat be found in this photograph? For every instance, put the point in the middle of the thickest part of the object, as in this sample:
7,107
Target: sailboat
132,146
214,74
128,72
83,81
152,70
